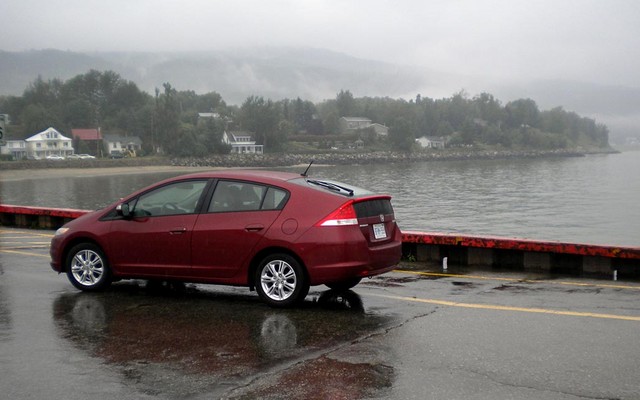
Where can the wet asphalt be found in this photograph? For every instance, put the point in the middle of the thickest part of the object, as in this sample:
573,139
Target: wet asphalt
416,333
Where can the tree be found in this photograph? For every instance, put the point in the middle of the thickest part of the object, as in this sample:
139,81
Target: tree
38,118
554,120
187,143
346,104
457,109
303,115
262,118
329,116
168,119
401,135
210,134
488,108
46,94
78,113
428,119
522,112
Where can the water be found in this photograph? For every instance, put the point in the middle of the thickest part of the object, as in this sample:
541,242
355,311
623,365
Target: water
593,199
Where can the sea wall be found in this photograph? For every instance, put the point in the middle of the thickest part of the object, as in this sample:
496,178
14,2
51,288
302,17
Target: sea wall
522,254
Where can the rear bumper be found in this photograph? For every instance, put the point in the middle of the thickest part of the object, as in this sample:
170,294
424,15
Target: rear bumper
347,258
339,273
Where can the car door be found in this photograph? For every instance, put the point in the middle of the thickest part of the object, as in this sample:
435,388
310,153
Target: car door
236,219
156,240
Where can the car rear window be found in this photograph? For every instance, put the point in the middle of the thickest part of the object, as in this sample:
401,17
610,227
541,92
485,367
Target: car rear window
372,208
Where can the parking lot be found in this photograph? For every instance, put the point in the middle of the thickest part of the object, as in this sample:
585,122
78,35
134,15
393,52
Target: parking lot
417,332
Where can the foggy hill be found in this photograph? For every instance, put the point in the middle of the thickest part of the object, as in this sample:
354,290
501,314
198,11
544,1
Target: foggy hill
312,74
275,73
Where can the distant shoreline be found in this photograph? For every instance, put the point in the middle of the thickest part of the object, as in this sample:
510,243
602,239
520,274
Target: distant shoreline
284,160
18,170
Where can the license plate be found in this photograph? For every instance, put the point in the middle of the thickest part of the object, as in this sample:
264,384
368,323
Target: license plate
379,232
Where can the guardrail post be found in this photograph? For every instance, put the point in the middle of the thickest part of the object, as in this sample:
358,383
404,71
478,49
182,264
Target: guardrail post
596,265
537,261
484,257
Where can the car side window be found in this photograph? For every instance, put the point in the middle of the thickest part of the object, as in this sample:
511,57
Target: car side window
275,199
172,199
236,196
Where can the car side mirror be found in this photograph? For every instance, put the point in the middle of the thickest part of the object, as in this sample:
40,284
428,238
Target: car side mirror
122,210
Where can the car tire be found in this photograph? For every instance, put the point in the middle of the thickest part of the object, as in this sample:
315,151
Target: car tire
343,285
87,267
281,280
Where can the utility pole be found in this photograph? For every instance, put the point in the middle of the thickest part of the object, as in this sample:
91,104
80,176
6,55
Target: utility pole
4,118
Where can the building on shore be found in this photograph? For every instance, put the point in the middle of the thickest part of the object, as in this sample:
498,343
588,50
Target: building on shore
48,143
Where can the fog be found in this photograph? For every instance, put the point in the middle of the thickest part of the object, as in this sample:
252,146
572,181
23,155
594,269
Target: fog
500,46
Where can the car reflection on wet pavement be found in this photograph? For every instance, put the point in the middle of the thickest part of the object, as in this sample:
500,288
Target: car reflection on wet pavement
204,340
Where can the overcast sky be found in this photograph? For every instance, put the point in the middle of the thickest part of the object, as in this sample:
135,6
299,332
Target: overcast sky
587,40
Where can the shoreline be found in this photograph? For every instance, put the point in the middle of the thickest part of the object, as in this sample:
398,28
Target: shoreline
286,160
44,169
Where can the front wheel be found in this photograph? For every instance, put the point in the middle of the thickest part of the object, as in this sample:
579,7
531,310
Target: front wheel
281,281
87,267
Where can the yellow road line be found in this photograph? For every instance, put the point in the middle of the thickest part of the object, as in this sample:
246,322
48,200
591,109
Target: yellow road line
23,247
5,238
479,277
22,243
454,275
47,235
24,253
508,308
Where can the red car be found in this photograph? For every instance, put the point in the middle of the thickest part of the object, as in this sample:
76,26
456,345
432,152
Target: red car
277,232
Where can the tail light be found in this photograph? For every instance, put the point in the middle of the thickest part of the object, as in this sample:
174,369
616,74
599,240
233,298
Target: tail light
343,216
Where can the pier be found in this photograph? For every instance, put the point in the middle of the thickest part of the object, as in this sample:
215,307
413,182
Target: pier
435,247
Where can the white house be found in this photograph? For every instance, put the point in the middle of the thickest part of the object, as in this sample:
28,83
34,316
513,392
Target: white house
242,143
16,148
204,116
49,142
381,130
213,115
117,144
350,124
429,142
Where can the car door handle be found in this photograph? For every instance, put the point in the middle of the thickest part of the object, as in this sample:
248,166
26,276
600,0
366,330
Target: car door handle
177,231
254,228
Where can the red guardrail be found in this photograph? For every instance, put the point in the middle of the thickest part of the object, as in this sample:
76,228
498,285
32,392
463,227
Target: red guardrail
436,238
44,211
430,238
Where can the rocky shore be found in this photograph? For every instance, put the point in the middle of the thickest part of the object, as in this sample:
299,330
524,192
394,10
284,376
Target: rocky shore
284,160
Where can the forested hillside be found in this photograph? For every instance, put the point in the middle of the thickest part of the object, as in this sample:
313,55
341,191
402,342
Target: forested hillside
167,120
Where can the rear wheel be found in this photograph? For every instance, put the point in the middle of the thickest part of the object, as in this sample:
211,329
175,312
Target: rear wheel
281,281
87,267
344,285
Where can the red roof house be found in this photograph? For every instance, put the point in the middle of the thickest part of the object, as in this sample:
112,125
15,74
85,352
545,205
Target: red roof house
86,134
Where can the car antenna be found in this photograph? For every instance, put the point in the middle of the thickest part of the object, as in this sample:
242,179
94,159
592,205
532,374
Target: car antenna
306,170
